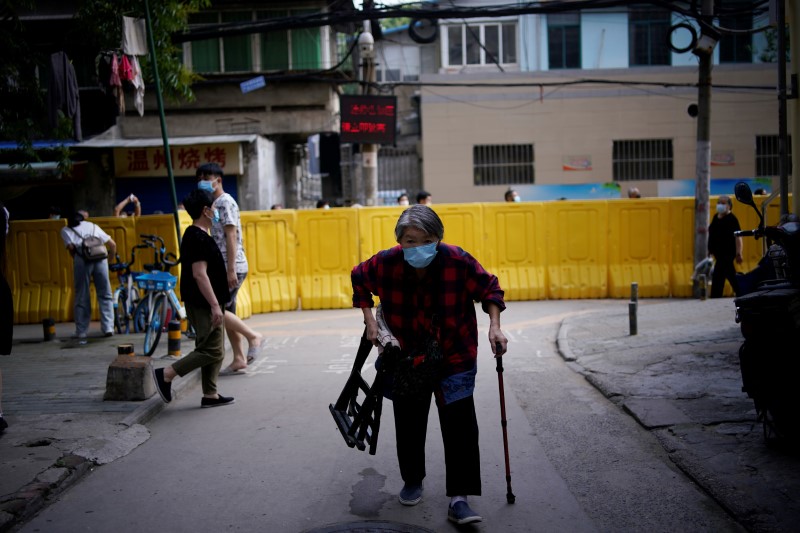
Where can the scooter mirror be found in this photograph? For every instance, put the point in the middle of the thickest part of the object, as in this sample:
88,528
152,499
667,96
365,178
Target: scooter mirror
743,193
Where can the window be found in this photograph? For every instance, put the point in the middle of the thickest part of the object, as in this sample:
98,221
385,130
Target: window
502,164
299,49
648,30
767,155
737,47
564,40
481,44
642,160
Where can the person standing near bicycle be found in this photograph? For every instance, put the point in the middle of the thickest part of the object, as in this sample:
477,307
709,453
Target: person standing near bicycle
227,233
204,288
86,270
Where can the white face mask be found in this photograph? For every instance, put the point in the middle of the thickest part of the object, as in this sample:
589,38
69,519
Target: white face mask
403,202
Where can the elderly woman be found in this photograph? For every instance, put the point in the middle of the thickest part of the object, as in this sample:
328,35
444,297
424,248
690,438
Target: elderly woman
427,289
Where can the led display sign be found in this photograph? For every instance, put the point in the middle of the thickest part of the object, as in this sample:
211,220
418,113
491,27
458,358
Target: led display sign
368,118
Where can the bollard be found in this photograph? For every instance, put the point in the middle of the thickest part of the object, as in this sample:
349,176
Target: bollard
184,325
49,329
634,291
125,349
632,317
703,286
174,339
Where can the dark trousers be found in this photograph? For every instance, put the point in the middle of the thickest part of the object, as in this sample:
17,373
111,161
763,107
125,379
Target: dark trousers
723,269
459,435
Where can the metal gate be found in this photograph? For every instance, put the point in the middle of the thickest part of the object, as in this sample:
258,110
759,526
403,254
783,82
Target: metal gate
399,171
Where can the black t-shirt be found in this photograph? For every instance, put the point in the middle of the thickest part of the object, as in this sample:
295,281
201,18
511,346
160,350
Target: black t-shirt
197,245
721,241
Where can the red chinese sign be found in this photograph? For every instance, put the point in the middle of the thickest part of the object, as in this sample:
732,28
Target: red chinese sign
152,161
368,119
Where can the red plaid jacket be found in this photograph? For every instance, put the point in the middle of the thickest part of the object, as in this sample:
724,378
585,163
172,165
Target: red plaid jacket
454,281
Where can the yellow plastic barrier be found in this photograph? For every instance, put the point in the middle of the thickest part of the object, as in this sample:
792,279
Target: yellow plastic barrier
638,247
515,248
681,223
577,256
270,245
327,249
463,226
376,229
39,271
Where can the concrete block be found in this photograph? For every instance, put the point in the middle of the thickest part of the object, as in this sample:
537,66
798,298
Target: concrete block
129,378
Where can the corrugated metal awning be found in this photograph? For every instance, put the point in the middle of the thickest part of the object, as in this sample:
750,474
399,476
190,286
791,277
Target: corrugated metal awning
158,141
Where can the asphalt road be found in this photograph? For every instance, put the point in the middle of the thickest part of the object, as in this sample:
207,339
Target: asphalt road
275,461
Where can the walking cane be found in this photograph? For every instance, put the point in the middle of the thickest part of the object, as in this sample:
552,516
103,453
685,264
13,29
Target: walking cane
510,498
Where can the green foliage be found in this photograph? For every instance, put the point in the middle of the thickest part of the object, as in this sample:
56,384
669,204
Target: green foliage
100,25
770,52
394,22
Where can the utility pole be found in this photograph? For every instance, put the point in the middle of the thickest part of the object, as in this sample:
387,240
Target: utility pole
783,140
369,151
702,188
793,15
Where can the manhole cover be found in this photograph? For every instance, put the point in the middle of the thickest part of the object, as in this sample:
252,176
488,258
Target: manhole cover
370,526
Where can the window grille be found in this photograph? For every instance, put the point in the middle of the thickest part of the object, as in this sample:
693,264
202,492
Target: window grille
650,159
503,164
767,155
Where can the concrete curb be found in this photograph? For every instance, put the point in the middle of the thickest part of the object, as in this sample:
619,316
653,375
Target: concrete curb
19,507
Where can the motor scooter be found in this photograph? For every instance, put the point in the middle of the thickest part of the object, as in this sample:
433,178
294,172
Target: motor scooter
769,315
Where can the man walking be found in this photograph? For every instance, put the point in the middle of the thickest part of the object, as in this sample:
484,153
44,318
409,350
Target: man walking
724,246
227,233
204,289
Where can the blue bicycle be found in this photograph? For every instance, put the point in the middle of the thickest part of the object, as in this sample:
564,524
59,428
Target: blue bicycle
158,303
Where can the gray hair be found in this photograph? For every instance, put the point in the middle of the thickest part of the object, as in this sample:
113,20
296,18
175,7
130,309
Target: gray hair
423,218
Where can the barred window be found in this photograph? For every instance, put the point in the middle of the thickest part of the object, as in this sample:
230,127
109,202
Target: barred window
767,155
502,164
649,159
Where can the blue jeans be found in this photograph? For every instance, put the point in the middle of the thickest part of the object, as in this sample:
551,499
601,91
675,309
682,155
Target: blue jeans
84,271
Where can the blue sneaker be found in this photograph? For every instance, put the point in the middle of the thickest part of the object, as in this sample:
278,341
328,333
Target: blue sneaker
411,494
460,513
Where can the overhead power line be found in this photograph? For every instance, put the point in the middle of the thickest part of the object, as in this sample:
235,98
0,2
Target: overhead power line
349,17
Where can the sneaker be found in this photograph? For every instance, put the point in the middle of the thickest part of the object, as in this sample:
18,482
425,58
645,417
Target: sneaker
460,513
83,341
108,334
164,389
411,494
216,402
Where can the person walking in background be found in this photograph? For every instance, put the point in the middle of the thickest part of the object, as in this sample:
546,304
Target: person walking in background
424,198
402,199
512,196
6,306
204,289
633,192
86,270
427,291
724,246
323,204
227,233
130,199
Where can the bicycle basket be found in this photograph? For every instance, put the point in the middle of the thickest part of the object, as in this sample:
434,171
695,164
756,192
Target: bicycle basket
156,281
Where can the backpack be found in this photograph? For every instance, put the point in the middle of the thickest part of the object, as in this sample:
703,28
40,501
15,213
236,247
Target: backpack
92,247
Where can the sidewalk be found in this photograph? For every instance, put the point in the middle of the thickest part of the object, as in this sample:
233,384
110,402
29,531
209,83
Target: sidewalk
679,378
59,425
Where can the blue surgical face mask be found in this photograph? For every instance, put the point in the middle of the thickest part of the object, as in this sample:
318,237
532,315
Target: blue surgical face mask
517,199
721,208
420,256
204,185
215,218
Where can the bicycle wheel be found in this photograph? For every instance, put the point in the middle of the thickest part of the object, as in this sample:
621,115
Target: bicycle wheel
153,332
139,317
121,312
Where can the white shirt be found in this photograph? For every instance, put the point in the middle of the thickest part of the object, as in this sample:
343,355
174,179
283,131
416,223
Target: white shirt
84,229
